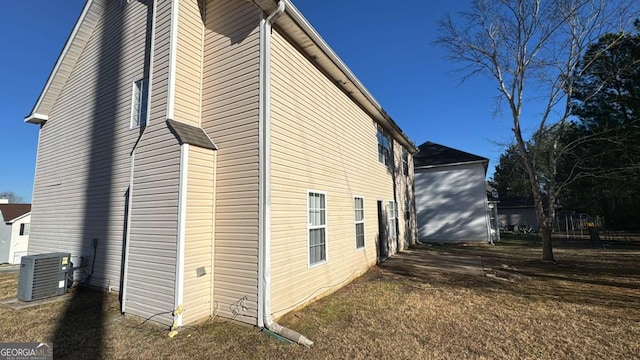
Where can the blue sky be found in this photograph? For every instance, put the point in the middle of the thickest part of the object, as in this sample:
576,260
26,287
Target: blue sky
388,45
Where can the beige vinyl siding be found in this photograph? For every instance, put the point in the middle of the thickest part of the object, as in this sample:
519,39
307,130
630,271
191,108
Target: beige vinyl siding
189,63
230,117
320,140
83,162
154,208
199,234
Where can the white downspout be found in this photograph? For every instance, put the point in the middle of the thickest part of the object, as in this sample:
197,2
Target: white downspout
264,243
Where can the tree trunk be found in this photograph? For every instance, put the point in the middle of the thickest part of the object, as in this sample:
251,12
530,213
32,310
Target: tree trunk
547,249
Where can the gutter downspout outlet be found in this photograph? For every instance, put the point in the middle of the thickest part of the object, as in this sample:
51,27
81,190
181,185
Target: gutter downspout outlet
265,67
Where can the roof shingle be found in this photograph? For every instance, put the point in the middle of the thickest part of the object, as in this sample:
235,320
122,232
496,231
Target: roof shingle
13,211
432,154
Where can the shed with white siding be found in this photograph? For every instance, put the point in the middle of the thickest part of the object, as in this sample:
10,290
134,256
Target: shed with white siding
450,193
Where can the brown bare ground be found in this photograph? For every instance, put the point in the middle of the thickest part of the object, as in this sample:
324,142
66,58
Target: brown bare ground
585,307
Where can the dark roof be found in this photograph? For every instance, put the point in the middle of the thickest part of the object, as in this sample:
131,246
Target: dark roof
188,134
12,211
432,154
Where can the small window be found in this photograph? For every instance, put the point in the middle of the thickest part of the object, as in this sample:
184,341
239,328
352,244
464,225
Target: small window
139,104
393,216
24,228
383,148
407,208
405,162
317,222
358,208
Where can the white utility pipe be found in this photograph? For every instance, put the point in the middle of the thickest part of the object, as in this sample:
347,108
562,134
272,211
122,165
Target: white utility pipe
264,288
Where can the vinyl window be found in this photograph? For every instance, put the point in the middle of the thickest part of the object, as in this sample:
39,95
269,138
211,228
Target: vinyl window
139,104
358,208
25,228
317,225
384,156
393,216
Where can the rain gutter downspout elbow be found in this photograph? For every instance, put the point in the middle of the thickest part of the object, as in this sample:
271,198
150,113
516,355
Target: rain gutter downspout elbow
264,262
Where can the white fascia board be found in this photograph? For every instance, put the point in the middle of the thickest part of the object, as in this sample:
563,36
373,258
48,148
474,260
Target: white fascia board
19,217
35,118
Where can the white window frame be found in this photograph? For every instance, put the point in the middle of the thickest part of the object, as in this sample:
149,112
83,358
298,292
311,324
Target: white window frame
356,222
139,87
24,226
315,227
392,215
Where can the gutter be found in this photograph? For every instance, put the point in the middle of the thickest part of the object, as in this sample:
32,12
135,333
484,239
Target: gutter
184,164
308,29
265,319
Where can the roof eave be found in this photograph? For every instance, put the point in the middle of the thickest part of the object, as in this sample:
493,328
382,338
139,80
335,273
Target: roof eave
35,118
453,164
19,217
39,115
319,50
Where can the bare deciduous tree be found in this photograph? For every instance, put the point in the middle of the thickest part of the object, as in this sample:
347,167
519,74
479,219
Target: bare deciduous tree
11,196
537,46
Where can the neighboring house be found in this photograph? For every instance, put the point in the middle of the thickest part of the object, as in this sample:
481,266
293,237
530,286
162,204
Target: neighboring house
515,212
14,231
215,163
450,194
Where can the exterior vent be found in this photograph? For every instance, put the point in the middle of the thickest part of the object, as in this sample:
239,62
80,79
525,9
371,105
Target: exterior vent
43,276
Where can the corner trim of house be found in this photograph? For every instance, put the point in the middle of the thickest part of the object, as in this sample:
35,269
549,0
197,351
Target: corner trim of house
261,174
182,218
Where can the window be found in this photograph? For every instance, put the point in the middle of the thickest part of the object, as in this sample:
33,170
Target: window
383,148
393,215
407,208
317,220
358,208
405,162
139,104
24,228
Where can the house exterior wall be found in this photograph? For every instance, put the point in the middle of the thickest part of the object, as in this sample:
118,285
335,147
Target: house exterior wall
451,203
230,116
199,242
89,155
151,270
19,243
322,141
83,163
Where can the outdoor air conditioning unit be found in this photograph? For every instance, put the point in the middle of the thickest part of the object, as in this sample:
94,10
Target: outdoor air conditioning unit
43,276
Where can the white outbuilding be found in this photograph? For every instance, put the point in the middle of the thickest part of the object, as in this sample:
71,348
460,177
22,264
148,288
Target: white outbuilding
451,195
